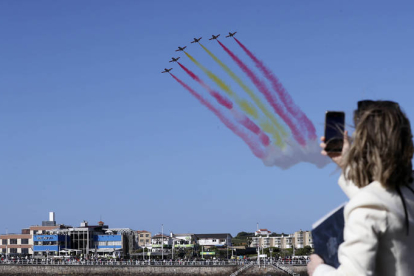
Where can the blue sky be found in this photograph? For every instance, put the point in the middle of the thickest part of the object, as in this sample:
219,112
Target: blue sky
90,129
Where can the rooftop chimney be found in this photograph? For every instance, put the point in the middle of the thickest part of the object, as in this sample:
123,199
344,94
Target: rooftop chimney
51,221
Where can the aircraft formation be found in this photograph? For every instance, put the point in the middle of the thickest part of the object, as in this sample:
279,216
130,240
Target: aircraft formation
196,40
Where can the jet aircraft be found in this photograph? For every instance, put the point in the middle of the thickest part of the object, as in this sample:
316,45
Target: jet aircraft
231,34
174,59
196,40
166,70
181,49
214,37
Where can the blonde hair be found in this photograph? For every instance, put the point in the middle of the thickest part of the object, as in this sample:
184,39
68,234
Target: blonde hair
382,148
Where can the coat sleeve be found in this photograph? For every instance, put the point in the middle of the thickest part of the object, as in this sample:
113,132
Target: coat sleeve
357,254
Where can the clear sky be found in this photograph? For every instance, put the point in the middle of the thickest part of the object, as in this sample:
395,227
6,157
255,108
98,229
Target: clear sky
90,129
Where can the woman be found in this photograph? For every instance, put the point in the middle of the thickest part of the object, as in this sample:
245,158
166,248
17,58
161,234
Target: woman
377,177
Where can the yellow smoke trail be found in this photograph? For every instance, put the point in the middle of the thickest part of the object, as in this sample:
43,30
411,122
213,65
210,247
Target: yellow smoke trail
253,96
243,104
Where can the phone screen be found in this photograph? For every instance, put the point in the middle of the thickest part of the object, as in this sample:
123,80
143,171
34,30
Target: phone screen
334,131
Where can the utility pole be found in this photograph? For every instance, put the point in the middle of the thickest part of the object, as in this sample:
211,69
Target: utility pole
173,250
7,242
162,241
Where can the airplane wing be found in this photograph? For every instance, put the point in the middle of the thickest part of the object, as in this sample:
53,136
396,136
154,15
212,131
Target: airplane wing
192,41
227,36
171,61
177,50
218,35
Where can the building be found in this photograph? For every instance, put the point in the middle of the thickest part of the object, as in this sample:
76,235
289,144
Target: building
14,244
299,239
183,240
82,237
143,238
302,239
159,241
48,241
118,241
161,245
36,240
262,239
51,239
210,240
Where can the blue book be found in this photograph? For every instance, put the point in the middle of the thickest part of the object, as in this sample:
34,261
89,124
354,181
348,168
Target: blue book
328,234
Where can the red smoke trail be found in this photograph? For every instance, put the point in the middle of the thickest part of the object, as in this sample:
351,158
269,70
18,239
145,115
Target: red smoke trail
263,89
244,120
283,95
254,147
220,99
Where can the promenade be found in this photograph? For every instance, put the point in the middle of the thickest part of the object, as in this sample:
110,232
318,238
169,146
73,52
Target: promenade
153,268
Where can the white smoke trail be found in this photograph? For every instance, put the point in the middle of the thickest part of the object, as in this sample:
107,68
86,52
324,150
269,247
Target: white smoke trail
294,154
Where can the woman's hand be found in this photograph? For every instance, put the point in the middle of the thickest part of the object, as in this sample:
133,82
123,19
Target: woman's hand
315,260
337,157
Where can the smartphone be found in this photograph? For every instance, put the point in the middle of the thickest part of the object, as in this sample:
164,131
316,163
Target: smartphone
334,131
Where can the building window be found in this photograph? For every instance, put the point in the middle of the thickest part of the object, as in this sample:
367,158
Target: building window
13,250
25,250
141,235
147,240
4,241
25,241
147,235
222,240
214,240
13,241
3,250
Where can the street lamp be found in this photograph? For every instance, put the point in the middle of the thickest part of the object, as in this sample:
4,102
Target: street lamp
173,249
271,255
7,242
162,241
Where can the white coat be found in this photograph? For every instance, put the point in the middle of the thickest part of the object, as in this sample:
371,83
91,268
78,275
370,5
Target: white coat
375,238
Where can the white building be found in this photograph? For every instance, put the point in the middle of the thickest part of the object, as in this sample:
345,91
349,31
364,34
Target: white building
183,240
214,239
161,243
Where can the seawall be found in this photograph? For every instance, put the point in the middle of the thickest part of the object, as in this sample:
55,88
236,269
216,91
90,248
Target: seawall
12,270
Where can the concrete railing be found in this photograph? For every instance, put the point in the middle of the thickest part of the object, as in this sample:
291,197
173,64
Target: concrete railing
243,268
285,269
293,262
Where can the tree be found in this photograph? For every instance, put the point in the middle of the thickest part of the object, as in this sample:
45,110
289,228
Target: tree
188,252
243,234
242,238
276,251
286,252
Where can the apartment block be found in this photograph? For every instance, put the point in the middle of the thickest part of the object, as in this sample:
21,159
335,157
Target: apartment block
299,239
17,243
143,238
